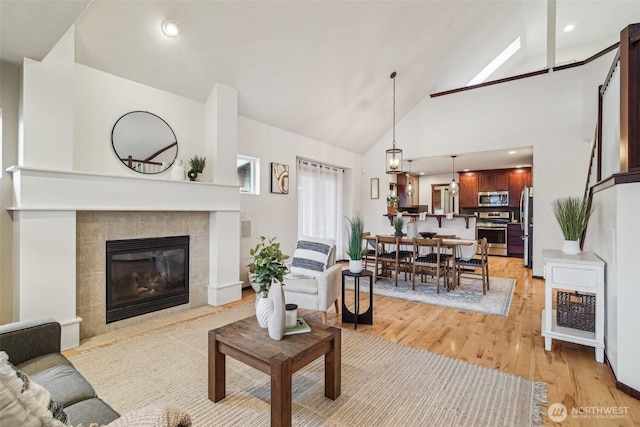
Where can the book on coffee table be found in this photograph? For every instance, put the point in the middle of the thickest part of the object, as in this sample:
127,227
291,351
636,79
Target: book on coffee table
301,327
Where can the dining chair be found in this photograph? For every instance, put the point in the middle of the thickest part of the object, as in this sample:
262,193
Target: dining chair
400,259
372,249
429,260
480,261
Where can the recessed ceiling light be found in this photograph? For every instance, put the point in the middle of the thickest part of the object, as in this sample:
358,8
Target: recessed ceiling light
170,28
465,170
421,173
569,27
512,152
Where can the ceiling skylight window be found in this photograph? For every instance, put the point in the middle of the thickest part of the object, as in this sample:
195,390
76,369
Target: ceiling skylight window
496,63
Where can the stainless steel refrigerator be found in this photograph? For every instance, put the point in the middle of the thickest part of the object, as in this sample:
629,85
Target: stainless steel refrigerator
526,222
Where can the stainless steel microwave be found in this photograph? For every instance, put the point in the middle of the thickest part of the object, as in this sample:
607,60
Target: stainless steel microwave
493,198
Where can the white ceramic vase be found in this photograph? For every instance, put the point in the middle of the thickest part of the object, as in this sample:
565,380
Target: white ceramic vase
262,310
277,311
571,247
355,266
177,172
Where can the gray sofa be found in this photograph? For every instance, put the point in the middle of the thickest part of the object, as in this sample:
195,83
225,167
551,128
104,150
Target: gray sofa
34,348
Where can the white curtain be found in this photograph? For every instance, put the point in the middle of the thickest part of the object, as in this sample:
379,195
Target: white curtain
320,202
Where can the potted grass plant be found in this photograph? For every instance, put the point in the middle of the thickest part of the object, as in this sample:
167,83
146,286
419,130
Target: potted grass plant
572,214
355,248
197,165
397,224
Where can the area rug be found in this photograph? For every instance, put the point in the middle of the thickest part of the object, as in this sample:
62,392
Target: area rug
383,383
468,296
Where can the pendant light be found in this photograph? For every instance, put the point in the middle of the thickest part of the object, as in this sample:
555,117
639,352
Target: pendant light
454,188
394,155
409,189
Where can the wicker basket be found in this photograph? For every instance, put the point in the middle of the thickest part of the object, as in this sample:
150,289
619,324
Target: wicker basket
576,310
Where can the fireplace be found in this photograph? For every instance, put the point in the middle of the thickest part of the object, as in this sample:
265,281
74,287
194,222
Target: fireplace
146,275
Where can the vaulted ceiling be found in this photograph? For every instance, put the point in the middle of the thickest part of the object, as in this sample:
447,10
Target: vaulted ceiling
315,68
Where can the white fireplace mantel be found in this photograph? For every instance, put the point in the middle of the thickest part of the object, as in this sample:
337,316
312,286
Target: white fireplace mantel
44,217
48,189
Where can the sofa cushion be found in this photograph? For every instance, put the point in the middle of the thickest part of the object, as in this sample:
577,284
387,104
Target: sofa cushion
23,402
90,411
311,256
65,384
300,284
42,363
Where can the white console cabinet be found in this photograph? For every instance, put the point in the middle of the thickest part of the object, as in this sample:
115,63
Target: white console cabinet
584,273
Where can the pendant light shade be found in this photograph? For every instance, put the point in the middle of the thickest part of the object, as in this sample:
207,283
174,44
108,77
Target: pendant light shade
394,155
454,188
409,190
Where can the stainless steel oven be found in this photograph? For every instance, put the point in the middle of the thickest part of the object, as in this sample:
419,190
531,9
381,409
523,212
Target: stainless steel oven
493,226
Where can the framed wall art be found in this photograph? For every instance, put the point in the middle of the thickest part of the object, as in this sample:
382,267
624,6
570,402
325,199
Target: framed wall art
375,188
279,178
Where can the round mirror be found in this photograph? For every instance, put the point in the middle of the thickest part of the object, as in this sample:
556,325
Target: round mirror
144,142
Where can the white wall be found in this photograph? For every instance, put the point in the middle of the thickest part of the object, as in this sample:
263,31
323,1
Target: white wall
277,214
101,99
554,113
9,84
425,188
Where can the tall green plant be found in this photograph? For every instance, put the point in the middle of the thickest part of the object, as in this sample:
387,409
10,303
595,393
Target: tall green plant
267,264
197,163
572,213
355,249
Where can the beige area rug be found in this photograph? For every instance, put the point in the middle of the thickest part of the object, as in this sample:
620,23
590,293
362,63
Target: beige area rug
383,383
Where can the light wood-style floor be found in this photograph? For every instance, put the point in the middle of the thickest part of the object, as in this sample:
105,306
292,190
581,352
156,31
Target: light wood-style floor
512,344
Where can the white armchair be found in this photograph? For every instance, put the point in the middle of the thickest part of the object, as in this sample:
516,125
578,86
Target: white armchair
314,280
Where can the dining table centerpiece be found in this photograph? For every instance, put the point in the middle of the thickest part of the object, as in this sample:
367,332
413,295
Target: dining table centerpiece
398,224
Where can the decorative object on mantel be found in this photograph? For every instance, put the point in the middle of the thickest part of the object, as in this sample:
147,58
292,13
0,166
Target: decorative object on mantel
572,214
279,178
197,167
398,223
177,172
355,249
392,204
266,267
394,155
454,188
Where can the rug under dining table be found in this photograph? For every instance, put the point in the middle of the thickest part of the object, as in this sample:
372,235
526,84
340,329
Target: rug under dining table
466,296
383,383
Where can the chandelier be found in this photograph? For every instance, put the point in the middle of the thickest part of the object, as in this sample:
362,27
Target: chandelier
394,155
409,189
454,188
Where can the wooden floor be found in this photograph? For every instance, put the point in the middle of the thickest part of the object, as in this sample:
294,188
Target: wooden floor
511,344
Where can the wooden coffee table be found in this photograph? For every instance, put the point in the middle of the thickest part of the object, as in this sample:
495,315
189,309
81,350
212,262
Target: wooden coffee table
247,342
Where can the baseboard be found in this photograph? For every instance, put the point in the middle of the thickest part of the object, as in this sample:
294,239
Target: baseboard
621,386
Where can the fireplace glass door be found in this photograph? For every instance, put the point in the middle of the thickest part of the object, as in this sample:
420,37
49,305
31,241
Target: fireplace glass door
145,275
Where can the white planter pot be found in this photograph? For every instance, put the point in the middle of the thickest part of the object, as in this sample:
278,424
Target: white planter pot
355,266
571,247
262,310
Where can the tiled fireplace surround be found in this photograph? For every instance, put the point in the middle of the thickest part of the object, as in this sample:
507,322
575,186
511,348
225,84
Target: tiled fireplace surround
94,228
61,220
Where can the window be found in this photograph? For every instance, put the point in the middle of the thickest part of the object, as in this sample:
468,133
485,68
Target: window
248,174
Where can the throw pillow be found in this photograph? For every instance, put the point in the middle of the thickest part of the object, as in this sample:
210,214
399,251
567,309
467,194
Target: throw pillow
23,402
311,256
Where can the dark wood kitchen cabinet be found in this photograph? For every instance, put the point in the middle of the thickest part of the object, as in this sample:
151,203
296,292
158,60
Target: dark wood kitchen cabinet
518,178
468,190
515,244
493,181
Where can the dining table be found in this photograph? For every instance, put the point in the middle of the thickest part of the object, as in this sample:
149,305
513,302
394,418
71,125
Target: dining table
454,243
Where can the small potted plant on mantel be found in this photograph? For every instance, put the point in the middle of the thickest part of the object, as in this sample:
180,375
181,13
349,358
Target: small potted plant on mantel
572,213
267,265
355,248
197,167
392,204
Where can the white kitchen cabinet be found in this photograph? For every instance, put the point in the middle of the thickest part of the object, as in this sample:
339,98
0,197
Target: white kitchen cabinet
583,273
